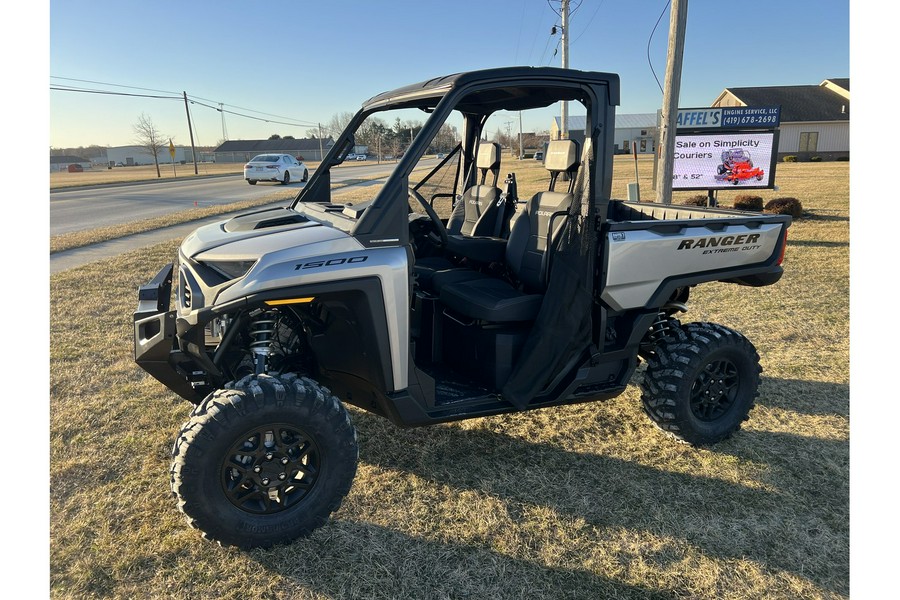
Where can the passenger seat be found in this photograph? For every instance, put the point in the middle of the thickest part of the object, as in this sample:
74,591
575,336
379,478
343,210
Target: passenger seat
481,297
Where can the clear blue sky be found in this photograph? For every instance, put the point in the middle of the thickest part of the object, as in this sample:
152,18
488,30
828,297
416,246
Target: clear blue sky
308,60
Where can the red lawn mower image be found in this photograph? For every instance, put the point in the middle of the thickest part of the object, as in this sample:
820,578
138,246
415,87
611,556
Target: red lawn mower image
737,166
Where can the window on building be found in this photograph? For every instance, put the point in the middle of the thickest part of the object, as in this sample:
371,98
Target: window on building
809,140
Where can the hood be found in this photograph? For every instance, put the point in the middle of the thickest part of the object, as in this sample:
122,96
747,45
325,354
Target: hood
254,234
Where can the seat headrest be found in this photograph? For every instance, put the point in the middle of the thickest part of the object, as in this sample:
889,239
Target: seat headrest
562,155
488,156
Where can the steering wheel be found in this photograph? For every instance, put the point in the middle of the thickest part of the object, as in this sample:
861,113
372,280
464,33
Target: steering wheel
441,238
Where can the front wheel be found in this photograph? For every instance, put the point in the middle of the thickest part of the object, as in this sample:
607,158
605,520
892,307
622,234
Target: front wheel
264,461
305,175
701,382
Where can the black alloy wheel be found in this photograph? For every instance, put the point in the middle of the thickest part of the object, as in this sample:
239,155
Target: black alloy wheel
270,468
715,390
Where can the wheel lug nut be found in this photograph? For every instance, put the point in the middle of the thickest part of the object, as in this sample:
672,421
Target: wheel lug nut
257,469
265,481
284,460
269,456
282,476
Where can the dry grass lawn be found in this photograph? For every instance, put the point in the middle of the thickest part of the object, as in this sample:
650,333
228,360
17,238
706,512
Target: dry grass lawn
587,501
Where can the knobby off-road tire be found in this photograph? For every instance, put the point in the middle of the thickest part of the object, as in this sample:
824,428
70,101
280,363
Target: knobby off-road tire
264,461
701,382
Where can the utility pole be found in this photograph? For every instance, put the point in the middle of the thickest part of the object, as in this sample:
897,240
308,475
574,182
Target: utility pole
224,128
564,109
321,156
191,132
669,122
521,147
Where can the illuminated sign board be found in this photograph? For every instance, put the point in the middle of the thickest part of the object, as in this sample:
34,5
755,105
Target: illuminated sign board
729,117
725,160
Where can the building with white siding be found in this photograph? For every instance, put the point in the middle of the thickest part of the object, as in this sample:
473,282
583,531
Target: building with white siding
139,155
815,119
639,128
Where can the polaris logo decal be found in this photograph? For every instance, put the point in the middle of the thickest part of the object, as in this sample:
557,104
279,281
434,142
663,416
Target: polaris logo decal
725,240
332,262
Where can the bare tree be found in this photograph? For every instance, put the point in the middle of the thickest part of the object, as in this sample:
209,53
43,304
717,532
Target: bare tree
150,138
337,124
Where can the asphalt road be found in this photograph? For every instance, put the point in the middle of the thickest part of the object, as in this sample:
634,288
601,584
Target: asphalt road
80,209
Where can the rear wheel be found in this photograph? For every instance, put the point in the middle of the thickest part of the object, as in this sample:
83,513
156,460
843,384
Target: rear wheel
251,181
701,382
287,178
265,461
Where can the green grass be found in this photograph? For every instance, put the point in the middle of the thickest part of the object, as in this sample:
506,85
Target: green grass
586,501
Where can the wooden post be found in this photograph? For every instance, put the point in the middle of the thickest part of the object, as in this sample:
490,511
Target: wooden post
668,125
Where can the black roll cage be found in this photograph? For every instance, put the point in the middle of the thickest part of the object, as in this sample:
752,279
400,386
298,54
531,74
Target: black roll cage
477,95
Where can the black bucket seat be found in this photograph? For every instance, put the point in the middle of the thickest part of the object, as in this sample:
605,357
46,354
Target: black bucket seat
481,297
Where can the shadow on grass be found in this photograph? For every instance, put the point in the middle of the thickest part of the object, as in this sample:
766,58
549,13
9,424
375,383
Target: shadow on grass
821,217
360,560
805,397
726,520
816,244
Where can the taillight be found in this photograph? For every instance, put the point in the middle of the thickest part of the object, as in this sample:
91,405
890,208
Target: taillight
783,247
271,166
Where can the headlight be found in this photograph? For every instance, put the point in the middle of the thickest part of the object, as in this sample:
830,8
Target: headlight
232,269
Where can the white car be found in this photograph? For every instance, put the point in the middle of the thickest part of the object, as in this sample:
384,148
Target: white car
361,157
283,168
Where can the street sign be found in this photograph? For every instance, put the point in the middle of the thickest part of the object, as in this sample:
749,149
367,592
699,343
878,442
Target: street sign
172,150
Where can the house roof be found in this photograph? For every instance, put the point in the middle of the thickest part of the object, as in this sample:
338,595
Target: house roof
283,146
798,102
67,159
841,82
635,121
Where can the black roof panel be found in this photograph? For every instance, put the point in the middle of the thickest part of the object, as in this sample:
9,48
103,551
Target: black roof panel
428,93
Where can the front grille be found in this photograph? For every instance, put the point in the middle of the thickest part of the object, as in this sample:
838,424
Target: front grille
184,292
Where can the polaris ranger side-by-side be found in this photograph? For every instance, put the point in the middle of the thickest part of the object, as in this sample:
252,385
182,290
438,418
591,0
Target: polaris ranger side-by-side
503,304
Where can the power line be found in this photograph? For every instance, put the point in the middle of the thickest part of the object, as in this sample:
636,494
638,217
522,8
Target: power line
591,20
110,93
175,96
521,23
555,52
648,44
114,85
231,112
305,124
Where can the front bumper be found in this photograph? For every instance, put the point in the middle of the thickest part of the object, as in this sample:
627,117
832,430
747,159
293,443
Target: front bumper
155,342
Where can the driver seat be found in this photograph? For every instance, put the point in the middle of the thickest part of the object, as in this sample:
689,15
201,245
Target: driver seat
479,212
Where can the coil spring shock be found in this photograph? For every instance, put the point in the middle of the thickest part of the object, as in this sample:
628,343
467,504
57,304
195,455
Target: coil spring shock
662,325
262,331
